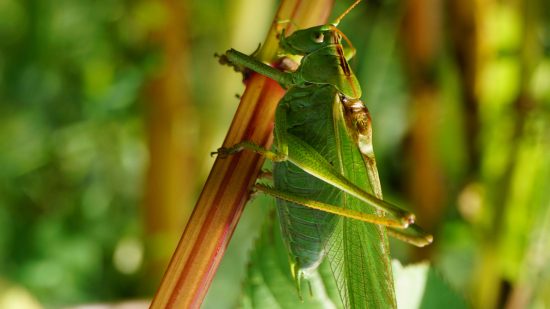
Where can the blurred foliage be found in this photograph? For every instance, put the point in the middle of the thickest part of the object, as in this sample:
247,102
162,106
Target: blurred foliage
73,140
71,147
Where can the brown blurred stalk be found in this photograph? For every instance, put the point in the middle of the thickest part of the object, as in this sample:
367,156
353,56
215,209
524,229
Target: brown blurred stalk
465,35
422,38
171,115
227,189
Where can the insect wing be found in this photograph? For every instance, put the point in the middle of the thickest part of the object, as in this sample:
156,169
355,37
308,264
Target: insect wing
358,252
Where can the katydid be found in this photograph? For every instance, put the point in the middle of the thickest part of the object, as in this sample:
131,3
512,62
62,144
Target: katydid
324,171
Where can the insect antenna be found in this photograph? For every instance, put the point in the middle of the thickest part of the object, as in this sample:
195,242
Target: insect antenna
343,36
337,21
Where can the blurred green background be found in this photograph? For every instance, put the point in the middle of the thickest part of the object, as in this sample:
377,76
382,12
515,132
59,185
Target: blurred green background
109,110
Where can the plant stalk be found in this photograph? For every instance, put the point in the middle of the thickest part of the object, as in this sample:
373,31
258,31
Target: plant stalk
227,188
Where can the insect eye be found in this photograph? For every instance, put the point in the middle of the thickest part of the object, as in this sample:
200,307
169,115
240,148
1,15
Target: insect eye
318,37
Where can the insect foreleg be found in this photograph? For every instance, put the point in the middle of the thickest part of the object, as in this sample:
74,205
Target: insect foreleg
271,155
239,59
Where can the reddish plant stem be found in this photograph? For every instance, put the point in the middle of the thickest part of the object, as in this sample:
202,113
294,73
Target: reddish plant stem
227,188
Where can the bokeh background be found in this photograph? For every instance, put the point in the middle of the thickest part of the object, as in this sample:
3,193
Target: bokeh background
109,110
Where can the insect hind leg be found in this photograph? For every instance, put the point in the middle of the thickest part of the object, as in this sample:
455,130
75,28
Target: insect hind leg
348,213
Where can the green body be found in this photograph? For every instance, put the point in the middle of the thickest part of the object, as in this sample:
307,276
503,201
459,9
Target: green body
314,115
325,174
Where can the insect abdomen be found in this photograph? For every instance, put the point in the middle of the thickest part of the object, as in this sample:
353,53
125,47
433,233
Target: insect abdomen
306,230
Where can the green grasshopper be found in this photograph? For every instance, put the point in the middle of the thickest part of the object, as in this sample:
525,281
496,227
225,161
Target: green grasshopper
324,172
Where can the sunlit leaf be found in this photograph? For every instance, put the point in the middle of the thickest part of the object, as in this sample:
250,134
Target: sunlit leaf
419,286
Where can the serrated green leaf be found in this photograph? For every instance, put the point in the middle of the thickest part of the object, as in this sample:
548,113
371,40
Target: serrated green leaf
269,283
